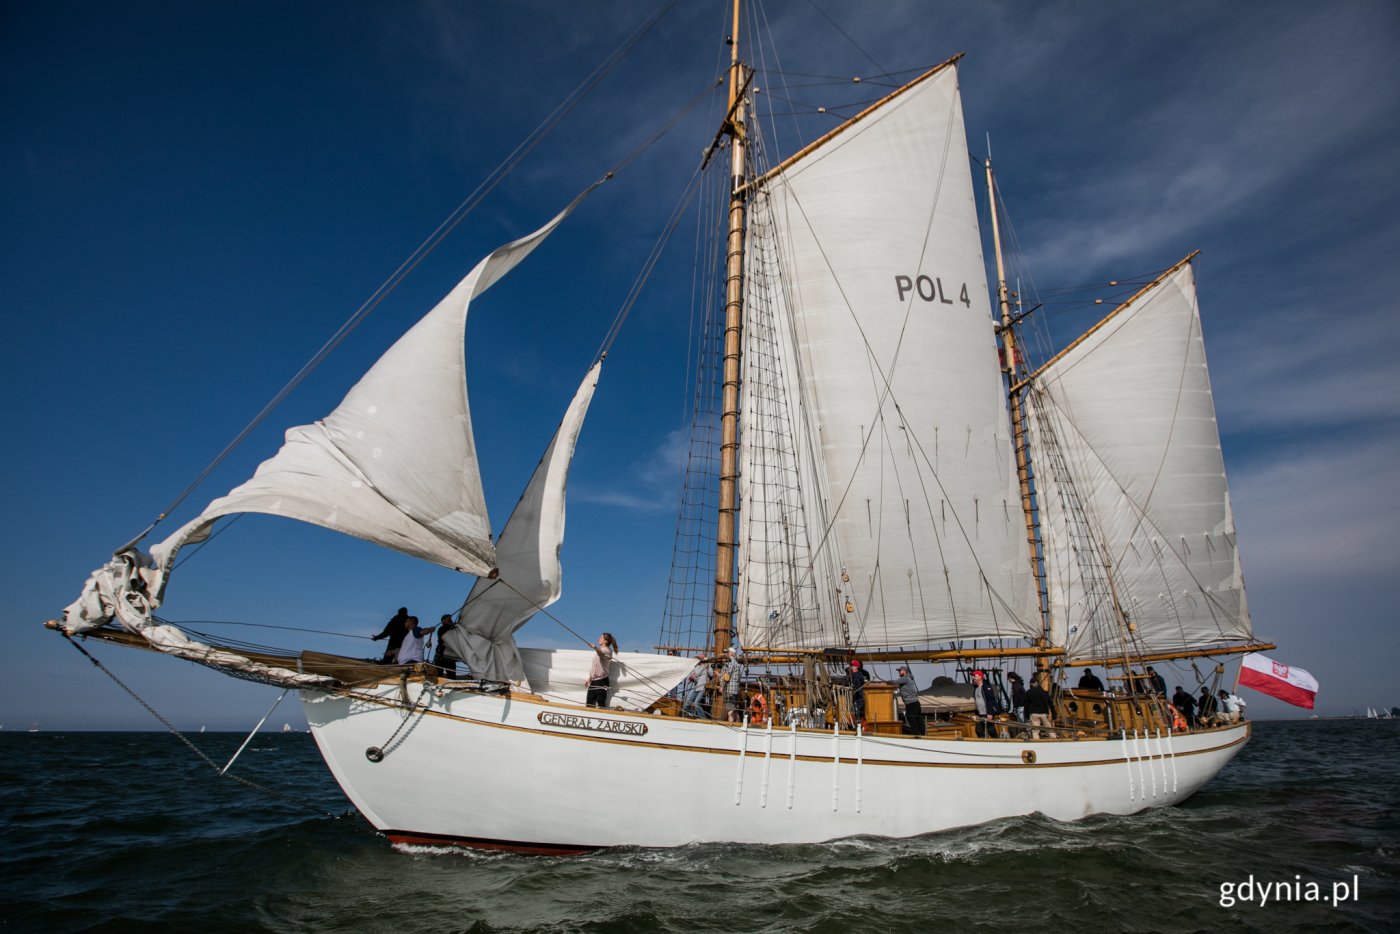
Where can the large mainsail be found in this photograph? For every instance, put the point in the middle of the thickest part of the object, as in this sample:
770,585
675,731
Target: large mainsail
879,329
394,463
529,574
1133,499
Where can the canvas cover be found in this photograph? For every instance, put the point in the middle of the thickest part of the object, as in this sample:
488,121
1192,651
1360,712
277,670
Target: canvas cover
638,678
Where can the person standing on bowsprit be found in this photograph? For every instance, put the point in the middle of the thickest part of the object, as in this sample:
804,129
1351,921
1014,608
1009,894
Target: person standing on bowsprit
394,631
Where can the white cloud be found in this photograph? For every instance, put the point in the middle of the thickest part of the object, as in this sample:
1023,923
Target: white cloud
1212,127
652,482
1316,367
1323,513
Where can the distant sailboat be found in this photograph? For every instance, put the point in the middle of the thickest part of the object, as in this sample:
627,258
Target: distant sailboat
286,728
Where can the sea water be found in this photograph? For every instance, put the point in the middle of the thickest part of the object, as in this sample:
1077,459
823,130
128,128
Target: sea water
133,831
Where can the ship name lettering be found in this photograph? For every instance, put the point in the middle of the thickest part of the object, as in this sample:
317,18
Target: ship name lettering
597,724
930,289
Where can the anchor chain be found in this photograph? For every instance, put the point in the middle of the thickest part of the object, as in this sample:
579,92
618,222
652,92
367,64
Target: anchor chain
377,753
271,792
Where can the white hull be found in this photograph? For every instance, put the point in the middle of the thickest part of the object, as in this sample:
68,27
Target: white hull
517,773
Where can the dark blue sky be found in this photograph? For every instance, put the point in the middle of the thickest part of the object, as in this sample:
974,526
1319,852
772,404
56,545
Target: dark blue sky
195,196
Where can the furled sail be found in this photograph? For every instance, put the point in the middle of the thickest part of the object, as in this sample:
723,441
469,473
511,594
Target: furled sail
394,463
875,442
1133,499
527,555
636,679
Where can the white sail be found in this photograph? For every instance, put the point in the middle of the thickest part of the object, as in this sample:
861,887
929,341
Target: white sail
883,292
1131,477
786,598
394,463
527,554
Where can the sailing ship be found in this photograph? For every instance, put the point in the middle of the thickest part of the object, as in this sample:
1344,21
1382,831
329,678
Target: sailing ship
895,483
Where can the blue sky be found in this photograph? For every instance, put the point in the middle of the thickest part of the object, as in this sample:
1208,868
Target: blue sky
196,196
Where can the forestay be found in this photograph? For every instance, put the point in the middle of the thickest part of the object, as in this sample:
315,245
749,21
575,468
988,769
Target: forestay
1124,436
878,319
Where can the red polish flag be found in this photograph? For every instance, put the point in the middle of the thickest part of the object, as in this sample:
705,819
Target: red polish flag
1292,685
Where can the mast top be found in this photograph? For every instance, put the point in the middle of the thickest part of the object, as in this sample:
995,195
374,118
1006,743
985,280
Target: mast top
824,138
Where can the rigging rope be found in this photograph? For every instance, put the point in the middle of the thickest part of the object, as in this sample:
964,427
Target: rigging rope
186,623
492,180
649,265
377,753
539,608
273,792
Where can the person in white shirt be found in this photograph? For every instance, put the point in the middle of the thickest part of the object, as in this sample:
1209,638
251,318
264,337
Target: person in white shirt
1233,705
411,650
598,674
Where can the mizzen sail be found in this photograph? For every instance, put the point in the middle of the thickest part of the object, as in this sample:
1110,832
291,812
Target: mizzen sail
1132,483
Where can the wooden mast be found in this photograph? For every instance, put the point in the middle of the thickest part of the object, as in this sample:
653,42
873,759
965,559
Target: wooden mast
1018,429
726,540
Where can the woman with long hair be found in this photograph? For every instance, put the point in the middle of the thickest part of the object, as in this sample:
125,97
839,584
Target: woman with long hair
598,674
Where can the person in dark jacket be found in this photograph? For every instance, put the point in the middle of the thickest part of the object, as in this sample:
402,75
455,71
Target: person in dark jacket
1018,696
394,631
1089,682
988,706
1206,707
909,694
443,659
1186,704
1038,707
858,676
1156,682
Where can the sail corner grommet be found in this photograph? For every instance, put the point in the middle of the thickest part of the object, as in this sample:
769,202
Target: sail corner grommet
374,754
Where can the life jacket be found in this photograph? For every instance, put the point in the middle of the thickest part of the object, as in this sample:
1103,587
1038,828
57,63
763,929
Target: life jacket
758,709
1178,721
